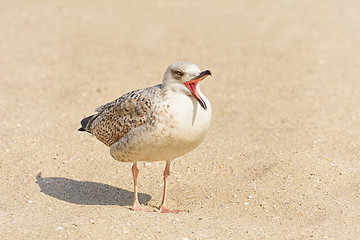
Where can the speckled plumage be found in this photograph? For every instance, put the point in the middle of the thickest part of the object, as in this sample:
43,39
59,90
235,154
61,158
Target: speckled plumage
117,118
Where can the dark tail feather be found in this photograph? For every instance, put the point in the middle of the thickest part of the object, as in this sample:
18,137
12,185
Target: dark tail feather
85,122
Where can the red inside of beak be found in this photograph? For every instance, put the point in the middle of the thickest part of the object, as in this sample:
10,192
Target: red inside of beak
191,85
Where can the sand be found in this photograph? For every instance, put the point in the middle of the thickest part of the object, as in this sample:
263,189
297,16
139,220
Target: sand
280,161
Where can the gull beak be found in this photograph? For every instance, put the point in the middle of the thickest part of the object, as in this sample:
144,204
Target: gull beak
191,85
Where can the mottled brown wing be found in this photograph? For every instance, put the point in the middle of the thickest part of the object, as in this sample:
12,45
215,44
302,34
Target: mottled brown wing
118,117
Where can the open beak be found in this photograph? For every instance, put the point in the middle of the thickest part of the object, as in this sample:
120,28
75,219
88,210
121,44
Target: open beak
191,85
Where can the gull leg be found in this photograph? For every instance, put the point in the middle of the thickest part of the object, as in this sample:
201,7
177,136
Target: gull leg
136,205
163,208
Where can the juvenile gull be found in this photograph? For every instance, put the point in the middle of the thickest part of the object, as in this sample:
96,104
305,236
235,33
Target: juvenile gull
157,123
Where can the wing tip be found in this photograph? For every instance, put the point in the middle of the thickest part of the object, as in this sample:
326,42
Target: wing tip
81,129
84,123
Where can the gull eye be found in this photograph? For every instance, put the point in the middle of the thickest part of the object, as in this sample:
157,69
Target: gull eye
179,73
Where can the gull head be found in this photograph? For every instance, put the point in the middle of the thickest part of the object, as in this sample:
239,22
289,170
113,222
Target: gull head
185,76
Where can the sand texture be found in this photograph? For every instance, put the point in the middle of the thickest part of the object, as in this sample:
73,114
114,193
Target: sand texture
280,161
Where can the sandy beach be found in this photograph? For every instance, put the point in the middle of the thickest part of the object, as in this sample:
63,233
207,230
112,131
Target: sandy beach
280,161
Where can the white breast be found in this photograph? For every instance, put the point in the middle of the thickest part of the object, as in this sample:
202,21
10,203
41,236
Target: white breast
191,120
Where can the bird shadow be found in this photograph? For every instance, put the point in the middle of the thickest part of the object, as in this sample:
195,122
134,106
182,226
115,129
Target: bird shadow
87,193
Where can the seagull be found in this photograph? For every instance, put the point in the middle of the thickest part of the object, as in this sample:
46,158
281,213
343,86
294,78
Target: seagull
158,123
